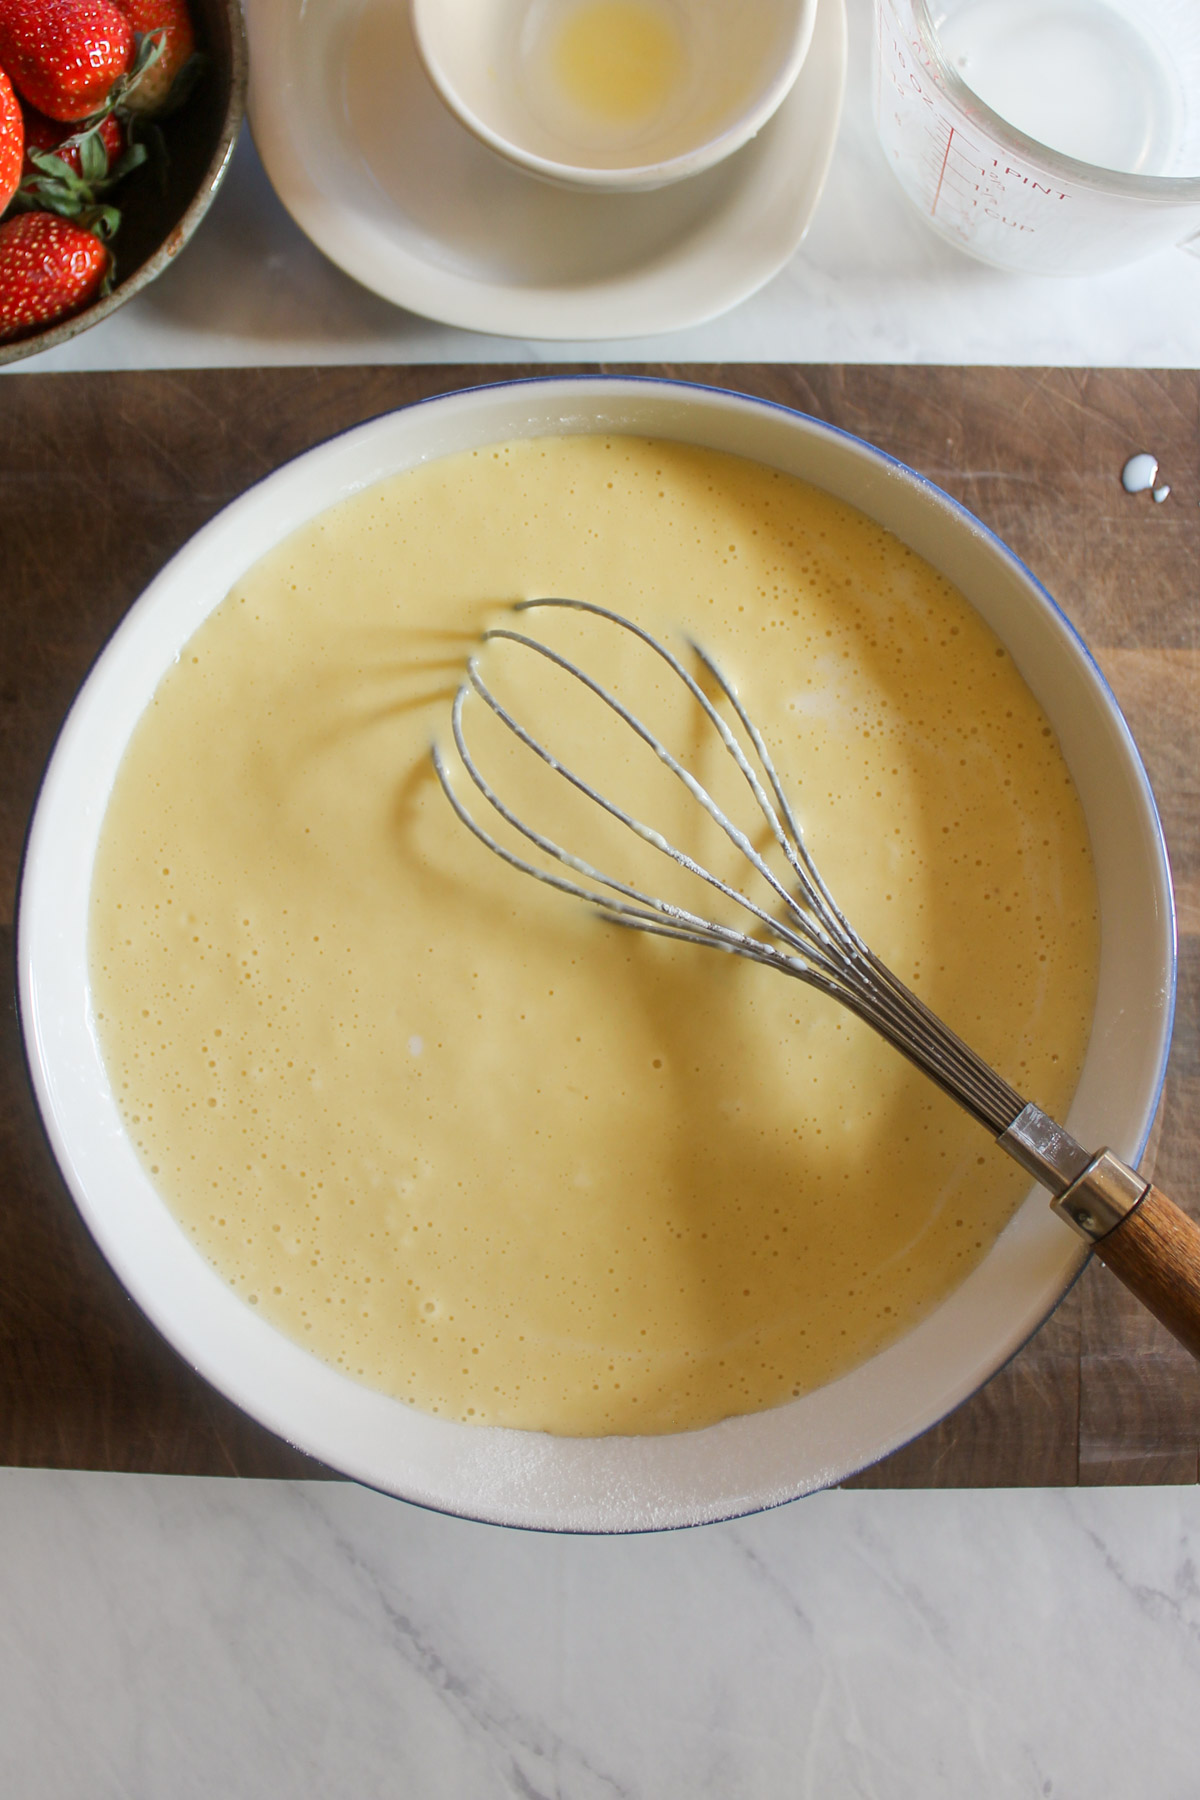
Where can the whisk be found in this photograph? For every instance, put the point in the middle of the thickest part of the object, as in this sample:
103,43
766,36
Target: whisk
799,930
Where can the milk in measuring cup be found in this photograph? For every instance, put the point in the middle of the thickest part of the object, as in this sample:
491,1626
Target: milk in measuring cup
1077,77
1058,136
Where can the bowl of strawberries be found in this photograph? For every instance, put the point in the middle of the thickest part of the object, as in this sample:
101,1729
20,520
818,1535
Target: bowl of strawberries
117,122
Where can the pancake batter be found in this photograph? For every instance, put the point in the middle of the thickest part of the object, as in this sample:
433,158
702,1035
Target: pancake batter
461,1139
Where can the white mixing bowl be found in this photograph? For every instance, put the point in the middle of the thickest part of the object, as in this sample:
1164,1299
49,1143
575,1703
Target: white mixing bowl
526,1478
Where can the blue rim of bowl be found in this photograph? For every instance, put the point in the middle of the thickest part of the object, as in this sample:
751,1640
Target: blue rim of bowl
940,498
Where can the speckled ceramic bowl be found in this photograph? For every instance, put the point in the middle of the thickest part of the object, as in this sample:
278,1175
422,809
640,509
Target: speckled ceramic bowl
530,1478
157,221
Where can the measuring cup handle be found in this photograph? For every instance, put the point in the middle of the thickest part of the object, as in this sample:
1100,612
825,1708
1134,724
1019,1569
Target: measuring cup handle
1155,1251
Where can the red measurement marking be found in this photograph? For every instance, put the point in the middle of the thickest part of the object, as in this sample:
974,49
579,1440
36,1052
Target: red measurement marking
942,173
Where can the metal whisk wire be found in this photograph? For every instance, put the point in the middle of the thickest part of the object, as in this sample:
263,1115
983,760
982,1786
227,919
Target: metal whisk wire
1152,1245
820,946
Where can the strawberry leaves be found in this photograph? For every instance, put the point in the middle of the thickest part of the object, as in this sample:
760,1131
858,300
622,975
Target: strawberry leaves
73,185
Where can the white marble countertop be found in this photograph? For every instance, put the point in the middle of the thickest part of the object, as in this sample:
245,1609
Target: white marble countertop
870,283
181,1640
187,1638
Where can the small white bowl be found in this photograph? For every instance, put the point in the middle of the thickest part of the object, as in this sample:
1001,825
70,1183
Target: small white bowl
616,95
526,1477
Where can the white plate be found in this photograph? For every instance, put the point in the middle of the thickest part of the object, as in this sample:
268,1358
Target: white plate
529,1478
371,165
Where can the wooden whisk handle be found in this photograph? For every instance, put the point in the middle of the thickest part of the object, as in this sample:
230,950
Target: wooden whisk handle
1143,1237
1155,1251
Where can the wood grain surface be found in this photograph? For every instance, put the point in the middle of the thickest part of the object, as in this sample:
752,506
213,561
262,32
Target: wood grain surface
103,476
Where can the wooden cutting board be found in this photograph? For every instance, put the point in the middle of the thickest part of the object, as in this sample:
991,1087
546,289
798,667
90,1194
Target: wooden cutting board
103,476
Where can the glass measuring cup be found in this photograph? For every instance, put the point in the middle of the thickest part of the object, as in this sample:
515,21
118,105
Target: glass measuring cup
1061,137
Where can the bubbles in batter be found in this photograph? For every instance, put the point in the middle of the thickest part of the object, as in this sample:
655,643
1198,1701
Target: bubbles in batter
472,1146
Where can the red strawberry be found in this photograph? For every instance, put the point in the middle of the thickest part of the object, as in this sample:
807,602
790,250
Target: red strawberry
12,141
47,135
170,17
49,268
64,55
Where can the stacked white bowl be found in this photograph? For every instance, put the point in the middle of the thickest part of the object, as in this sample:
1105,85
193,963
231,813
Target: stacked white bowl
613,95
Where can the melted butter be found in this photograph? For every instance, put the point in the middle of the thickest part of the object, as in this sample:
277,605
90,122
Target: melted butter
620,61
466,1142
